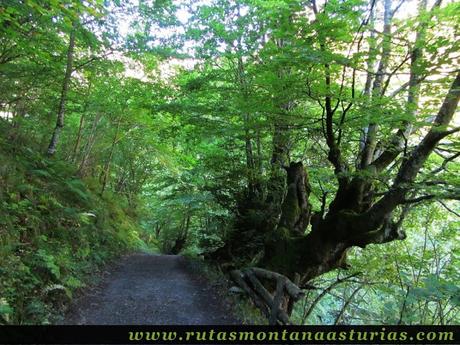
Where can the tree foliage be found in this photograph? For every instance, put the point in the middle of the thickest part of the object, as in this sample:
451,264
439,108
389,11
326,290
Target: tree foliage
304,137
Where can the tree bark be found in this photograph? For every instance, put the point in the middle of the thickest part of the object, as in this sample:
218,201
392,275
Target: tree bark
89,146
371,133
64,91
80,128
295,210
106,170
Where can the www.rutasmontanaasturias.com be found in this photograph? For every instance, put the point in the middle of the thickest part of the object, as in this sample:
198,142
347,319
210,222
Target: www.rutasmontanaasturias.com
285,335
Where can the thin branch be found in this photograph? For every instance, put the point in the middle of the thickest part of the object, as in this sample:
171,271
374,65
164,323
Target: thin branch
448,208
326,291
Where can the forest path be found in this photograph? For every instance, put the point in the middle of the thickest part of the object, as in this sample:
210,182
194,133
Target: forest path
151,289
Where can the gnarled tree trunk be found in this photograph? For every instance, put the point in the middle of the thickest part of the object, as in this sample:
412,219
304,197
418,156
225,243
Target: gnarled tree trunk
324,248
295,210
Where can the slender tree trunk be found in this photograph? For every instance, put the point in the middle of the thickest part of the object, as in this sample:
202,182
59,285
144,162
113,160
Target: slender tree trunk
399,140
78,140
280,147
89,146
80,127
105,173
371,133
250,163
253,184
65,88
370,75
259,153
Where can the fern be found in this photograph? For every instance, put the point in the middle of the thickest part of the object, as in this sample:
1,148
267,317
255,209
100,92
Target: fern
78,188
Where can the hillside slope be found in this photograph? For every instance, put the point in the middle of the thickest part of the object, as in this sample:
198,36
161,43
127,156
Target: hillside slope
55,231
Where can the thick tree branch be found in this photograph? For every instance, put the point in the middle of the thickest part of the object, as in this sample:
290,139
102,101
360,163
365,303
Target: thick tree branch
412,164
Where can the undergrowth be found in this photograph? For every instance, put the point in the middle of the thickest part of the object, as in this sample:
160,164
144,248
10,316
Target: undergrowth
55,231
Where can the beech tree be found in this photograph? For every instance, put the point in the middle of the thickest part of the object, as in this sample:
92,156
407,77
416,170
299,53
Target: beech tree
328,76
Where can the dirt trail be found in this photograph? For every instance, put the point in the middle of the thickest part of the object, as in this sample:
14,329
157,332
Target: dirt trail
151,289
